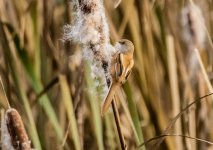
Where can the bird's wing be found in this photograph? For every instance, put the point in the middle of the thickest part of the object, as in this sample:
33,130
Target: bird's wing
109,97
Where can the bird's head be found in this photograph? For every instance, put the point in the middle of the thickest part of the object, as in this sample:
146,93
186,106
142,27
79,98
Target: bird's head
125,46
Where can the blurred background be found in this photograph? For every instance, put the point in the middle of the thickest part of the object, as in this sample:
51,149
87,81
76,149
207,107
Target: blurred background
167,75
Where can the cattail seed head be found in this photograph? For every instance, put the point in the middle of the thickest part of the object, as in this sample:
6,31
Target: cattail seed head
6,142
14,135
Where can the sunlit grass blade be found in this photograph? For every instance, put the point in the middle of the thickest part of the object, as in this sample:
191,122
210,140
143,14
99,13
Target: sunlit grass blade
109,121
134,113
67,100
174,85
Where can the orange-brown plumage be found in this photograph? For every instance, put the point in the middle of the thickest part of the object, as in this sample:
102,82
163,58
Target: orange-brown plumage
121,66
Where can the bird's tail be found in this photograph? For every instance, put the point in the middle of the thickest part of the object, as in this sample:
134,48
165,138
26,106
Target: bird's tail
108,99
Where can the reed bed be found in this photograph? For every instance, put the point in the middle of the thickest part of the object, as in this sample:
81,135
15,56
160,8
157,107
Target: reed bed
165,104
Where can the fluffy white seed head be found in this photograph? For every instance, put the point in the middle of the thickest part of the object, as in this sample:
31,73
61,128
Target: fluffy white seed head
192,22
193,34
90,25
90,29
193,65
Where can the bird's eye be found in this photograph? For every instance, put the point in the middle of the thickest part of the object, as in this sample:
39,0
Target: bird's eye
122,42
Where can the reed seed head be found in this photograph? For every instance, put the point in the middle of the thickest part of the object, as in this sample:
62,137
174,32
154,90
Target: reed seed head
192,22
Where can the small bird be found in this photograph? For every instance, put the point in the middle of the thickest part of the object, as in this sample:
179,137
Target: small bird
121,67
